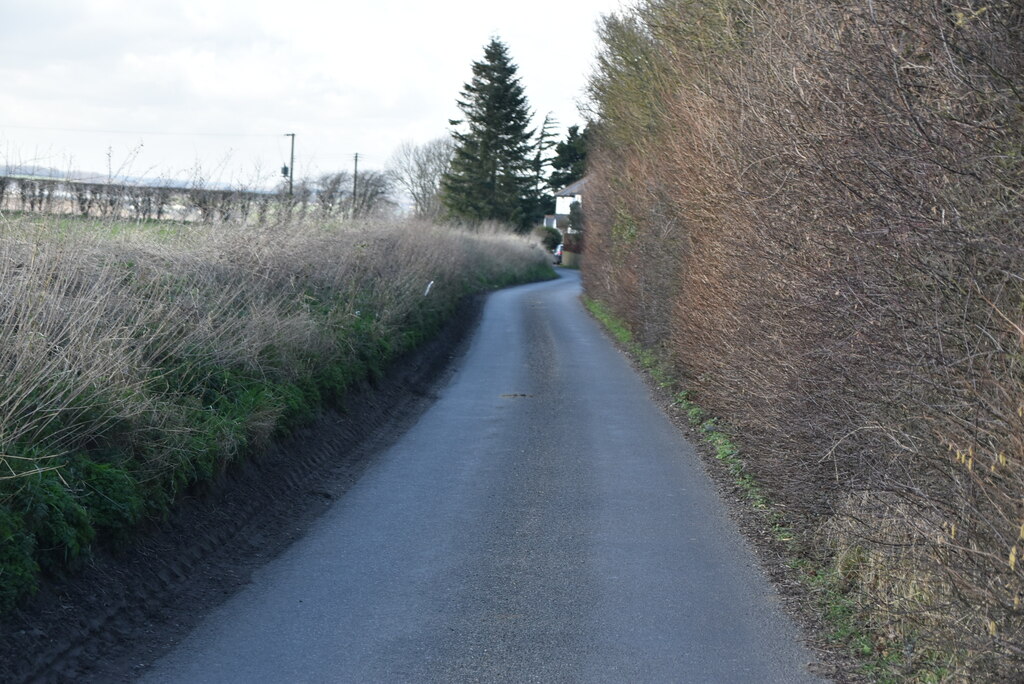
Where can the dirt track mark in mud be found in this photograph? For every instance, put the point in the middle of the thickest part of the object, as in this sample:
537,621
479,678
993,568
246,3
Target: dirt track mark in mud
129,605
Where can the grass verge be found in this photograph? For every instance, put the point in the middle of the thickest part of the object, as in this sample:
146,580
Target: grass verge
140,361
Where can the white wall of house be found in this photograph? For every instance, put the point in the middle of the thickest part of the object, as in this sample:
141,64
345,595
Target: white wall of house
562,204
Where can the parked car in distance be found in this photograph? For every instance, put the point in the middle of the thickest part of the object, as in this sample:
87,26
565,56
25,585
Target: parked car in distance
557,251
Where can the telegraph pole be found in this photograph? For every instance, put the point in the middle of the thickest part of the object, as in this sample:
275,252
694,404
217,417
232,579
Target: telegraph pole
291,167
355,179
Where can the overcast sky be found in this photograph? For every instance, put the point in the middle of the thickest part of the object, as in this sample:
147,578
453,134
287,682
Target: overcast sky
171,87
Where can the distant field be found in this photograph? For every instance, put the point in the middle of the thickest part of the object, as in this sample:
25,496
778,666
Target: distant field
195,202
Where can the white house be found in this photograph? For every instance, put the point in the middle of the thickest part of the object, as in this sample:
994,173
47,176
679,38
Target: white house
563,200
567,195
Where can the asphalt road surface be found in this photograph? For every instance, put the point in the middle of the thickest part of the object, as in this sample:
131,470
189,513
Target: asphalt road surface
542,522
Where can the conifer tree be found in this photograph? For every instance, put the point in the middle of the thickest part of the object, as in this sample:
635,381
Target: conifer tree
491,172
543,202
570,160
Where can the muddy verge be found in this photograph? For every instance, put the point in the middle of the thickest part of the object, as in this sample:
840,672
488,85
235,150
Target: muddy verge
131,604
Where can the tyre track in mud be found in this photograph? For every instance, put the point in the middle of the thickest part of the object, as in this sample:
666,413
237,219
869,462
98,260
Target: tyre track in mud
128,606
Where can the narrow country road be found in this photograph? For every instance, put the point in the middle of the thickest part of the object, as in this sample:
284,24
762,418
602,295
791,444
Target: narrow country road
542,522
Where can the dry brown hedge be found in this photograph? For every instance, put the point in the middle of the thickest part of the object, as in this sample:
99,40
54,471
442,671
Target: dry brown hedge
140,361
813,209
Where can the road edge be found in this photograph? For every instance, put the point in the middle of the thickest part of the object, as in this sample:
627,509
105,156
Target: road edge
130,605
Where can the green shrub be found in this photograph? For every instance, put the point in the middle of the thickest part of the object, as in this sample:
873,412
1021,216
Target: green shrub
110,495
18,567
548,236
52,515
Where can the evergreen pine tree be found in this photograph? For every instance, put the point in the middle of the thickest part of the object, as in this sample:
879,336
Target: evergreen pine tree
543,202
570,161
491,173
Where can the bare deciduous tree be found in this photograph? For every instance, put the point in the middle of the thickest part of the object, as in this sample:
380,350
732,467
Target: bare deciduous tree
372,194
416,170
331,190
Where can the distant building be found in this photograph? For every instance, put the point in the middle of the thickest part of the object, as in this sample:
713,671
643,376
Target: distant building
556,221
563,200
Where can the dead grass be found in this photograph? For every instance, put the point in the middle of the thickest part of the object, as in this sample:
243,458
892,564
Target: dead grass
137,361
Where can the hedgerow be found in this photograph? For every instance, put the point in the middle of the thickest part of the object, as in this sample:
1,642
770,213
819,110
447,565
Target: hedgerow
812,210
137,360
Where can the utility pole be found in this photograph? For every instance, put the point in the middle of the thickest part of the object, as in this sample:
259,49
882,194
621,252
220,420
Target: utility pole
291,167
355,179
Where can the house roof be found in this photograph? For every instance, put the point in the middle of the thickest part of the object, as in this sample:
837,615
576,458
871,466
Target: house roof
572,189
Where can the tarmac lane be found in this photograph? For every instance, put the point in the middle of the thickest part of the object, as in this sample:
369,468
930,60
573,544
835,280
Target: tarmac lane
543,521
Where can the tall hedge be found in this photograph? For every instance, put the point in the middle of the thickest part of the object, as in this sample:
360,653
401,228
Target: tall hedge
813,210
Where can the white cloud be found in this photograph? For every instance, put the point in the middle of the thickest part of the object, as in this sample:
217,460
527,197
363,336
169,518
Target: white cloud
346,78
